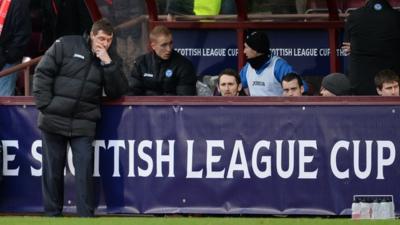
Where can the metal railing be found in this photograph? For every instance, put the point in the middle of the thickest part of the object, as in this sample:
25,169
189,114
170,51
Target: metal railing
25,67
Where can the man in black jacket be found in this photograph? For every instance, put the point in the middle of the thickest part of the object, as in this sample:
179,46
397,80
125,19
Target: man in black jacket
67,86
14,37
373,32
163,71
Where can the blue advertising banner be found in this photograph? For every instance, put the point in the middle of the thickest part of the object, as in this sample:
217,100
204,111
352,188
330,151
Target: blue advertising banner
211,51
227,159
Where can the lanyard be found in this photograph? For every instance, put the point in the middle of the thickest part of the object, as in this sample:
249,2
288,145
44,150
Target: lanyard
4,6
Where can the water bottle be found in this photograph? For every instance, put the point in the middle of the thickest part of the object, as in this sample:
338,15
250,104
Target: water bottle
356,209
387,211
377,210
366,210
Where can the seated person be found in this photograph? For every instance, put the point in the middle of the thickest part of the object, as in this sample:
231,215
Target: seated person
263,73
163,71
292,85
229,83
335,84
387,83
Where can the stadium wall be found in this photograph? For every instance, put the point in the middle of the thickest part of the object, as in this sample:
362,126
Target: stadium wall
218,155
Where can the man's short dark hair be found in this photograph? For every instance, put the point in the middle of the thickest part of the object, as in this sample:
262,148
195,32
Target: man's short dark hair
293,76
384,76
229,72
104,25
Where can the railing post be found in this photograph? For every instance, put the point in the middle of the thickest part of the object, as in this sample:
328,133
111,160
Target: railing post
93,9
333,43
333,36
241,7
27,87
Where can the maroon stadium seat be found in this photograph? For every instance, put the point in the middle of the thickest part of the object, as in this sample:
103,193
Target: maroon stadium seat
316,6
319,6
351,5
394,3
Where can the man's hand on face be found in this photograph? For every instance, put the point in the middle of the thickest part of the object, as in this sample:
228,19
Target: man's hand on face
101,53
100,43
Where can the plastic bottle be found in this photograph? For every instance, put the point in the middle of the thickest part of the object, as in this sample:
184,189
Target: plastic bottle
366,210
387,208
356,210
377,209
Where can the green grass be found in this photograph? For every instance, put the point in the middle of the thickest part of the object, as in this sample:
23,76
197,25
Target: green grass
170,220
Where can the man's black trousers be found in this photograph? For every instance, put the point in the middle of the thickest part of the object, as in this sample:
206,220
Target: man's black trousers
54,161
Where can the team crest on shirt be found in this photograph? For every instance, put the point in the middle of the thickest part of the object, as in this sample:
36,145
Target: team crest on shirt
378,7
168,73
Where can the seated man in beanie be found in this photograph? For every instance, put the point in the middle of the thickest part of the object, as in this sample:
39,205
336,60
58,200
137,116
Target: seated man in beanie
335,84
262,75
387,83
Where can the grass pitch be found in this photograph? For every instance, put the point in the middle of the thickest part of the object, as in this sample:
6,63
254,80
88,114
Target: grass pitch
171,220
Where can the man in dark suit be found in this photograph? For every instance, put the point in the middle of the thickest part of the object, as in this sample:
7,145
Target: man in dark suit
373,32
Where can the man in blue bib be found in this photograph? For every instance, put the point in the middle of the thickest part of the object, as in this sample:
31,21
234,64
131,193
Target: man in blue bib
263,73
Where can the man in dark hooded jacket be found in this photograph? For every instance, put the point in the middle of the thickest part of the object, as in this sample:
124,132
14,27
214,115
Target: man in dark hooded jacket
373,32
67,85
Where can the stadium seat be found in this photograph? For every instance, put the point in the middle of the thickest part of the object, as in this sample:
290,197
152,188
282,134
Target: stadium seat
394,3
351,5
318,6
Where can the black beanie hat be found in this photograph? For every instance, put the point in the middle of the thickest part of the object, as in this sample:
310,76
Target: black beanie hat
337,83
258,41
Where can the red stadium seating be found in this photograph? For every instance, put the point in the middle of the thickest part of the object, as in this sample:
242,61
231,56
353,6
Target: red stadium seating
316,6
395,3
350,5
353,4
